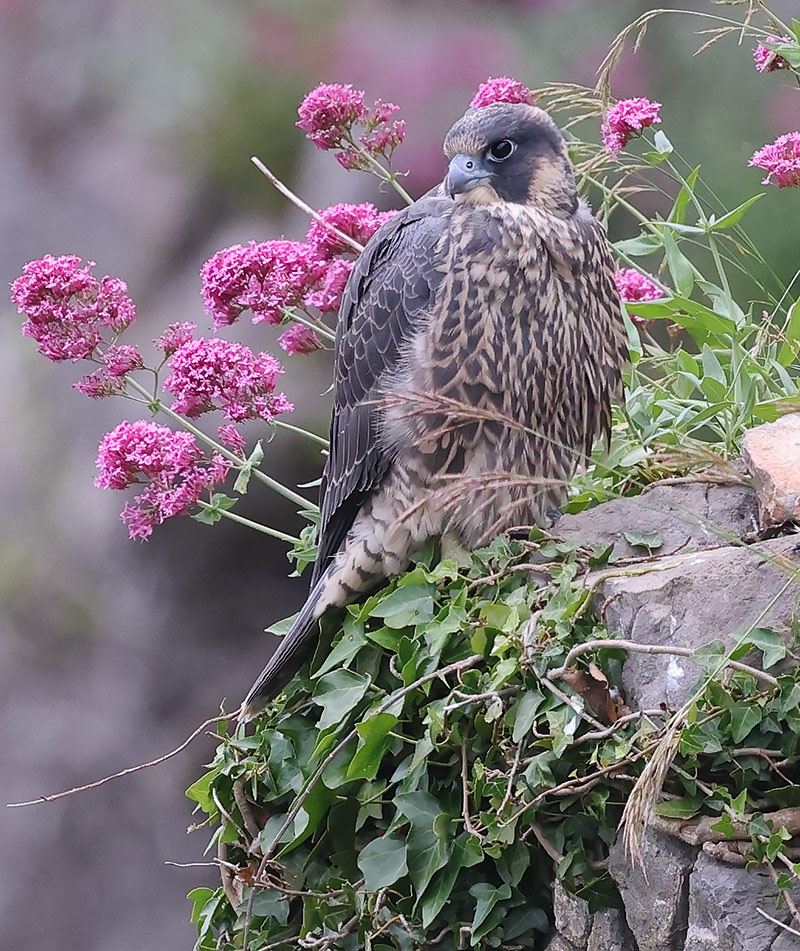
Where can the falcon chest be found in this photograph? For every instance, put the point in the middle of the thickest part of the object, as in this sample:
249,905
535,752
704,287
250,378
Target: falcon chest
504,333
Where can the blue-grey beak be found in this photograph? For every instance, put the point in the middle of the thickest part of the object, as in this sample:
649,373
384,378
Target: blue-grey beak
465,173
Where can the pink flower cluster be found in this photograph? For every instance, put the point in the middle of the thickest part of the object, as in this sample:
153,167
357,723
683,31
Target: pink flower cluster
330,113
221,374
271,277
781,161
109,379
633,286
502,89
767,60
169,465
67,308
626,119
300,338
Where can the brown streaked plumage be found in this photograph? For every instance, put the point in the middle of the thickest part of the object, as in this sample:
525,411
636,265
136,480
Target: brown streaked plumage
480,342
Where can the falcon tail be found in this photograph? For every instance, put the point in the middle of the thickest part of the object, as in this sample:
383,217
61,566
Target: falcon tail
293,649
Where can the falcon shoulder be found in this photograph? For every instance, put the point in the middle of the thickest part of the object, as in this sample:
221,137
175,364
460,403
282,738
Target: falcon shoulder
388,294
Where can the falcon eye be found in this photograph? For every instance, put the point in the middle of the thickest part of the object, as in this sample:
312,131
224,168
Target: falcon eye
501,150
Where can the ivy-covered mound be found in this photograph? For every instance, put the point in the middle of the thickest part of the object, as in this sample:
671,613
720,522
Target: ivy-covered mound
426,785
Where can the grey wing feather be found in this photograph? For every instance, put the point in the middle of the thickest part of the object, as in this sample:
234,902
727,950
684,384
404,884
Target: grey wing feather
389,291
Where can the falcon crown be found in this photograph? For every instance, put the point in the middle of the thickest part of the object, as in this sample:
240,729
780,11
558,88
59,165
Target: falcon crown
510,152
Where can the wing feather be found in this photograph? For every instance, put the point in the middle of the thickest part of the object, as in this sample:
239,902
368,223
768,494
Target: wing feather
389,292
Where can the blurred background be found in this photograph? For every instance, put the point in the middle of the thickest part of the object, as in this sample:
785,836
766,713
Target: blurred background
125,135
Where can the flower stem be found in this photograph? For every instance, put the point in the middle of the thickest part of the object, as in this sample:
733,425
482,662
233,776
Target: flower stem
320,328
320,440
265,529
273,484
384,174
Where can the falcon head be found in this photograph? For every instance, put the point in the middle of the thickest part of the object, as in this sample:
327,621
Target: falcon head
510,152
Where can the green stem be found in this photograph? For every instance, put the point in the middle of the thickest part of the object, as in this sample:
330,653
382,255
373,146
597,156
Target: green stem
265,529
383,174
273,484
320,328
320,440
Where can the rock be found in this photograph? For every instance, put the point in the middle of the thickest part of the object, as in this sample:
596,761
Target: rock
572,917
786,941
722,908
771,453
690,600
610,932
688,517
654,891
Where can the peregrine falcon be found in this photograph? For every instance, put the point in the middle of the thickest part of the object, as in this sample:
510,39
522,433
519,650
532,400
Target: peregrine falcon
479,345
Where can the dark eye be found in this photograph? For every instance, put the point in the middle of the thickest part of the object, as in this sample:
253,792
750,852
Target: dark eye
500,151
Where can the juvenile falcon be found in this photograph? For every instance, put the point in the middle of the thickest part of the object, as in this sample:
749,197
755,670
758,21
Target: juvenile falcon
478,349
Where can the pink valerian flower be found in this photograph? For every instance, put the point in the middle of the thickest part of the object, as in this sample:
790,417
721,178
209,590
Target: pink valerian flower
176,335
626,119
123,359
222,374
767,60
330,114
299,338
359,222
230,436
100,384
170,465
68,308
327,297
502,89
266,278
634,286
781,161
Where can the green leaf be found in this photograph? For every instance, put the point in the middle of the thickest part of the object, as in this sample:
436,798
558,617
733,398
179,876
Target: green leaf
744,718
525,710
270,904
348,645
733,217
429,841
725,826
769,642
337,693
198,897
683,808
253,462
678,212
466,852
212,511
639,247
486,897
648,540
698,319
372,745
200,790
679,267
383,862
788,351
406,606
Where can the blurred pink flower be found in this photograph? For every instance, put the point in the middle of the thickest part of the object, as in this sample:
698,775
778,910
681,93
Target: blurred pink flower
99,384
634,286
170,465
767,60
502,89
221,374
230,436
68,308
328,296
300,339
781,161
123,359
359,222
625,119
265,277
331,113
176,335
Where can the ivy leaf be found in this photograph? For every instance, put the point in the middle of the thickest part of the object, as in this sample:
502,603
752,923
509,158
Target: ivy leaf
337,693
412,604
525,713
428,842
683,808
348,645
486,897
767,641
200,790
372,745
648,540
383,862
466,853
270,904
744,718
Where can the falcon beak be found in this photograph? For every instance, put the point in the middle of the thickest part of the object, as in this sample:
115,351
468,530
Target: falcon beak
465,173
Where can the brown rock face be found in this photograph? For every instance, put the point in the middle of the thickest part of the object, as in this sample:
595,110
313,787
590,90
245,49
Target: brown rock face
771,453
